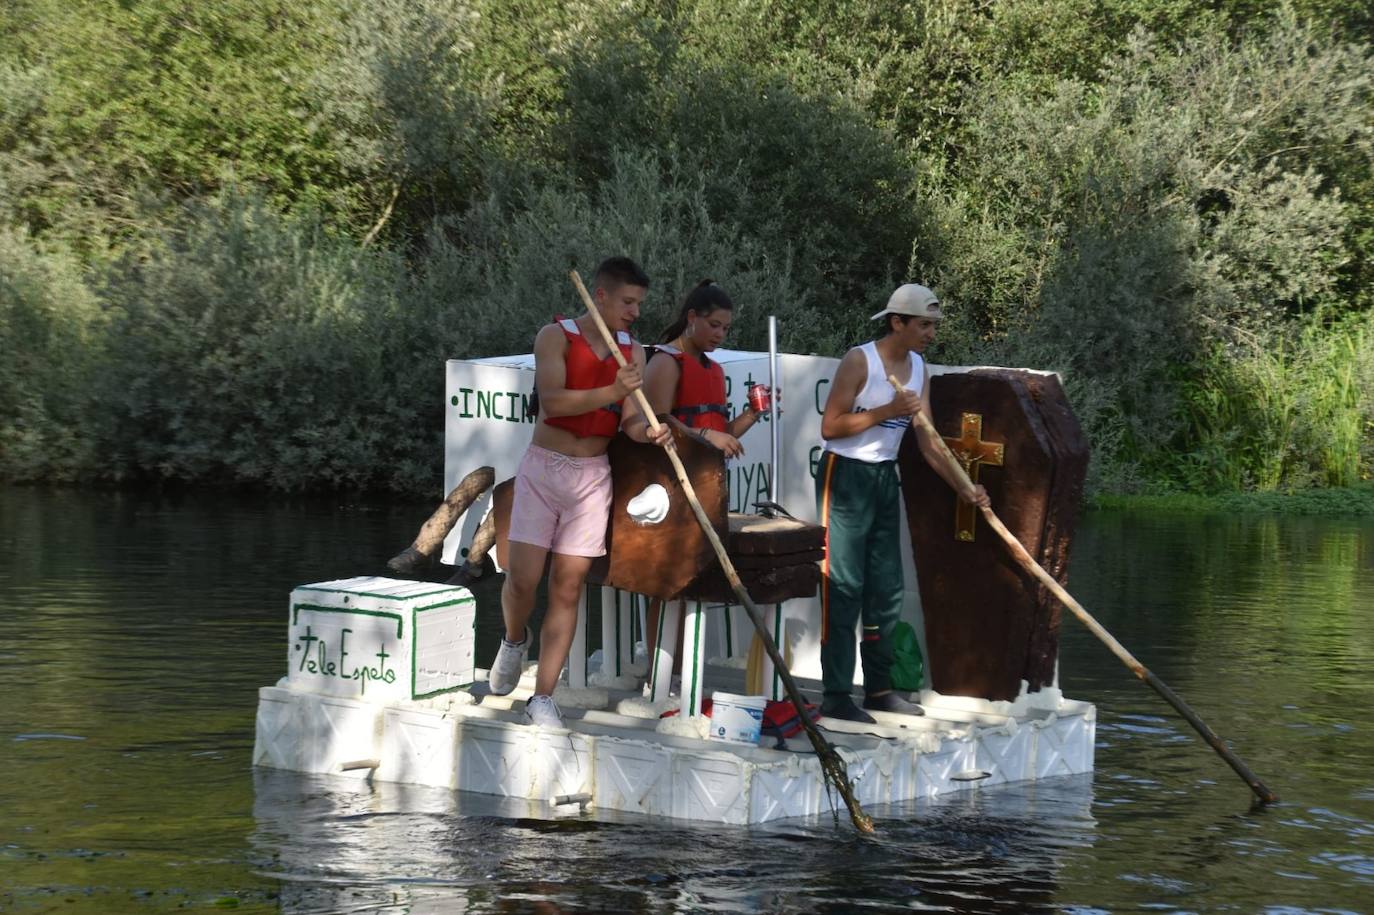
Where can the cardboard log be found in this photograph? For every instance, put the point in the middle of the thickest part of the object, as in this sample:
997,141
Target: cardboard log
989,623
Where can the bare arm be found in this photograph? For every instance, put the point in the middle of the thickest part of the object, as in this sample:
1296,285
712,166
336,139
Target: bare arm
661,376
660,385
839,419
632,419
743,423
551,376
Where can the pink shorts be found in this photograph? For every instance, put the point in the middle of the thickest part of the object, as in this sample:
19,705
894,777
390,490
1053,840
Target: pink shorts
562,503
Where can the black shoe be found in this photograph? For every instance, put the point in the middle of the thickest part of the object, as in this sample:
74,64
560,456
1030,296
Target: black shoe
409,561
469,574
844,709
893,704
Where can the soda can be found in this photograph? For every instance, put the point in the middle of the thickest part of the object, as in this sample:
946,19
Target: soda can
760,397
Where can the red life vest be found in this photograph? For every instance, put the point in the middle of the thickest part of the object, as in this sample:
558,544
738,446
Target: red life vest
584,371
699,401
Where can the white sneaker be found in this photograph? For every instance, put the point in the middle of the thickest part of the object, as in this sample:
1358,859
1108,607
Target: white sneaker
543,711
505,672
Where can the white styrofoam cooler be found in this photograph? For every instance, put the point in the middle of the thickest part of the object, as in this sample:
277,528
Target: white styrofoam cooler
380,639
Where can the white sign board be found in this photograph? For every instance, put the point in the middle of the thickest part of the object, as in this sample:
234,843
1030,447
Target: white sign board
486,425
380,639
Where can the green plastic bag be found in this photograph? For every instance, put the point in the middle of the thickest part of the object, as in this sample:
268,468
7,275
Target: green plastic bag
908,669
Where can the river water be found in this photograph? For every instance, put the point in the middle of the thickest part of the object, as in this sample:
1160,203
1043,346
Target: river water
135,630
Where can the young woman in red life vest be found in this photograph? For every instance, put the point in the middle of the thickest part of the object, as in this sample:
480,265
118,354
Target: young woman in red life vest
684,382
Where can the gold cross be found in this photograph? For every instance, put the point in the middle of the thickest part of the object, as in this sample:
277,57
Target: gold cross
972,452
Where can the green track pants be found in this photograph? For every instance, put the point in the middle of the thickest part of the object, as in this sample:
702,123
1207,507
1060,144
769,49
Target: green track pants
862,578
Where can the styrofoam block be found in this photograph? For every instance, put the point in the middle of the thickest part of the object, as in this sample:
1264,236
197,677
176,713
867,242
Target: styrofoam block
633,775
564,764
380,639
419,747
496,758
445,653
1007,752
275,743
1065,745
791,789
308,733
901,774
709,786
934,770
870,784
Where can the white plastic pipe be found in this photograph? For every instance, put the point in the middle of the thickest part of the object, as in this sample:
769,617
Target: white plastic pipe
774,484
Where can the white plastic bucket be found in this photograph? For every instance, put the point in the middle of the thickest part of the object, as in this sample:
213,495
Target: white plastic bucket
737,719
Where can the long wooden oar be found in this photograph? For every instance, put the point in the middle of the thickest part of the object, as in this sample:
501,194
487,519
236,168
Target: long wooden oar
831,764
1018,551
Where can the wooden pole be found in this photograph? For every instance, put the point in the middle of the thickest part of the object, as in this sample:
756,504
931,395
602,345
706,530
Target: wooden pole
832,766
1024,558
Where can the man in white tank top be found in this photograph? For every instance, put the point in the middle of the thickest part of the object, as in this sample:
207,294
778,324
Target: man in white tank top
858,498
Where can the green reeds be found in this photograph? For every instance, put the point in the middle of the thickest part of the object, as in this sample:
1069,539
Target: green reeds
1289,410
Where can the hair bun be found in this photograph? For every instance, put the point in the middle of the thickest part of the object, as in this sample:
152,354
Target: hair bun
706,282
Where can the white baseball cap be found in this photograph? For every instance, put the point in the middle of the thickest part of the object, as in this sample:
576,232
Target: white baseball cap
914,300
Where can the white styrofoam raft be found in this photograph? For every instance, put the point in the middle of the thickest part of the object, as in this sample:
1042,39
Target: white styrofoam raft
625,765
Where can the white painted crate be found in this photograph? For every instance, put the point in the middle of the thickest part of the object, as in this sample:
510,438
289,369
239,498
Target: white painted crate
380,639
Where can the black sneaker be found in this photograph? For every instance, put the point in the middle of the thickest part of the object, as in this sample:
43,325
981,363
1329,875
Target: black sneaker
893,704
844,709
470,573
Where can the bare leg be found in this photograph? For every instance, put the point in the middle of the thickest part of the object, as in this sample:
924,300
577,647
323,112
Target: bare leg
482,540
431,537
517,594
567,574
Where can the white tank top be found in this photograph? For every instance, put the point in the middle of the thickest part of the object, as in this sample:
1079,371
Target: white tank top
878,443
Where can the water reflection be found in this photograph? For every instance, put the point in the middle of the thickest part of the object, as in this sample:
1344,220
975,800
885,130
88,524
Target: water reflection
144,626
340,846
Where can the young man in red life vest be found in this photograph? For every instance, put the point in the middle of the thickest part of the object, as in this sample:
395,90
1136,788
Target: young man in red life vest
857,498
563,486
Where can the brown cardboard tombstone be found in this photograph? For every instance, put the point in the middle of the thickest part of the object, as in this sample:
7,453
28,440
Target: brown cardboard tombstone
777,557
989,624
661,559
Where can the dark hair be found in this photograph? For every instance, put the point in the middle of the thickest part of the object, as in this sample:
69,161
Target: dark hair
887,321
704,298
615,272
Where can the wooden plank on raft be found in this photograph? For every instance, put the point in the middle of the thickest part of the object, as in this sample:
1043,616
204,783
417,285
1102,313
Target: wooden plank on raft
766,561
765,586
755,535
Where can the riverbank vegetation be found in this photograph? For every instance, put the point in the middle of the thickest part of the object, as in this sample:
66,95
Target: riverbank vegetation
238,239
1335,501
